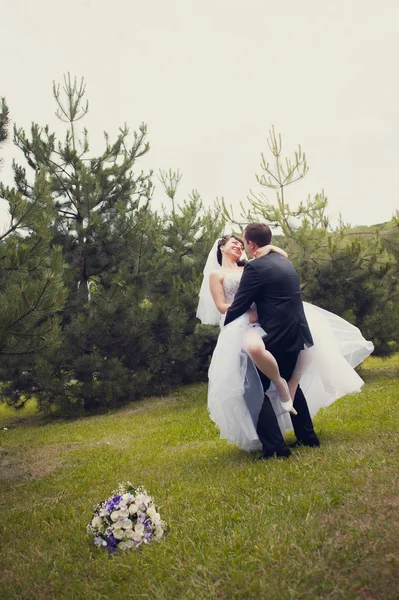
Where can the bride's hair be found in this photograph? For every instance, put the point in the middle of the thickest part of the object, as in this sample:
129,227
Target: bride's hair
222,242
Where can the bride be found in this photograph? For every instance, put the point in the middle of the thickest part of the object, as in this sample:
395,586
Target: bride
235,394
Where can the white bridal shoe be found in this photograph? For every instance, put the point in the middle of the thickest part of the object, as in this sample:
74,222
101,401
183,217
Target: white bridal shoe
289,407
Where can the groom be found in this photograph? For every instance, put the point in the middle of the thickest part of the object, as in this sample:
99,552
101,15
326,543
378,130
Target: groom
273,284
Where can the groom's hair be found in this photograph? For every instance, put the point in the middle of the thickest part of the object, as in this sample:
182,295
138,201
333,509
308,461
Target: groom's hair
258,233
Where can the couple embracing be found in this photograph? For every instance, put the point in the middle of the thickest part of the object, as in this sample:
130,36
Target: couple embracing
277,360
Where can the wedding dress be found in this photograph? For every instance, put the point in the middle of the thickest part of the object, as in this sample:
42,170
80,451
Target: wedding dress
235,392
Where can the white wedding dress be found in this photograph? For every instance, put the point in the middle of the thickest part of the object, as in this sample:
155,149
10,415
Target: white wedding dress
235,393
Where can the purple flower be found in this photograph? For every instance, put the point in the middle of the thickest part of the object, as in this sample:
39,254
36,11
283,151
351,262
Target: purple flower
111,543
113,506
112,503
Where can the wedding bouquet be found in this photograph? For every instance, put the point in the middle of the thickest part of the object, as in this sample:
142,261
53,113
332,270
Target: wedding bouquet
126,520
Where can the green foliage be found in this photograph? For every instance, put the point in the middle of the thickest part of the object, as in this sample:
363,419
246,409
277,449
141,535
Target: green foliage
320,525
32,293
4,121
133,275
93,195
352,272
100,291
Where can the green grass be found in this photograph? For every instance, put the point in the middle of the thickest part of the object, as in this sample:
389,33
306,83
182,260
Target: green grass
322,525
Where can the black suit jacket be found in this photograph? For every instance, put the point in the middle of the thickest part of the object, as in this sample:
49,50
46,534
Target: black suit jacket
273,284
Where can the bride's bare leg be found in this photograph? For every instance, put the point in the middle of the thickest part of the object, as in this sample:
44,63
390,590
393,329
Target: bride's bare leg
266,363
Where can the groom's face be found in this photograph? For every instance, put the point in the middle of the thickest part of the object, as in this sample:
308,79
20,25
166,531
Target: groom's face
248,246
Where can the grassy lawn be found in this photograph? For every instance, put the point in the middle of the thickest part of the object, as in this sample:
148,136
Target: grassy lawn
322,525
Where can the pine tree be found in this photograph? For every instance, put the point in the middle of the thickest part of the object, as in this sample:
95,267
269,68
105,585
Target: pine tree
32,293
189,232
92,195
101,207
352,272
128,328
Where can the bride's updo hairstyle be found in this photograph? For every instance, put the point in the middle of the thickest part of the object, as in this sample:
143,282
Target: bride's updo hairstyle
222,242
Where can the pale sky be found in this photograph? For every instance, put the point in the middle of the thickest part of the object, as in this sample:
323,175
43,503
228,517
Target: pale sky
210,77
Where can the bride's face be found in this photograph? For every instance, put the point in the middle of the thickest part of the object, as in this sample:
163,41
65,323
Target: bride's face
233,248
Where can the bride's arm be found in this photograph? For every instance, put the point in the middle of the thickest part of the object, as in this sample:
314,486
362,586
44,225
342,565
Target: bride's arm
217,291
265,250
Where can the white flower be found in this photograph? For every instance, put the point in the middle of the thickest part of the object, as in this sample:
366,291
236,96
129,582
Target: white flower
151,511
99,541
129,534
123,546
158,531
128,498
127,518
126,545
119,534
142,499
154,516
97,522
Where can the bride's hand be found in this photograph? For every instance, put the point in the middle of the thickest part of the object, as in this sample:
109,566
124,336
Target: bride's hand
265,250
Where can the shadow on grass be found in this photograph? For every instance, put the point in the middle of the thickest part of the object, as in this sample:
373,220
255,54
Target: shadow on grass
183,398
376,368
377,375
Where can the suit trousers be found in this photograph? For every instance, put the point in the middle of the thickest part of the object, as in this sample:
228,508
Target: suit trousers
267,427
